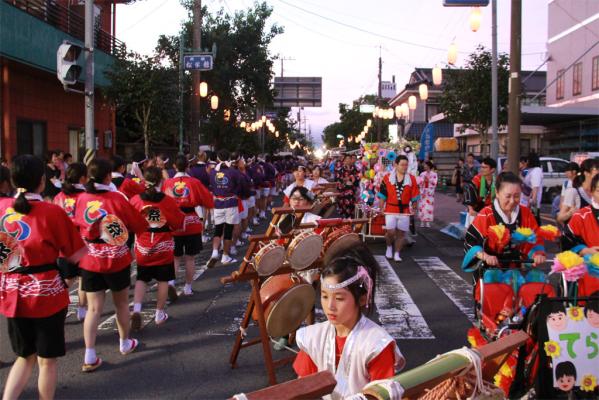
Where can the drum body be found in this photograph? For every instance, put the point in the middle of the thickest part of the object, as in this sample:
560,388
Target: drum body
269,258
304,249
338,240
287,300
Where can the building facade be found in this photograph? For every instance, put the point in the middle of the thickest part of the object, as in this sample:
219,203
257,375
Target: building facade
36,113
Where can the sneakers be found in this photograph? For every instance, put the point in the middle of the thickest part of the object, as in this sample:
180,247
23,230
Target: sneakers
211,263
389,252
396,257
172,293
226,260
187,291
238,244
135,321
134,344
81,311
92,367
160,317
255,221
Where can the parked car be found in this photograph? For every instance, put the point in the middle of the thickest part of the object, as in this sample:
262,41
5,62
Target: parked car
553,175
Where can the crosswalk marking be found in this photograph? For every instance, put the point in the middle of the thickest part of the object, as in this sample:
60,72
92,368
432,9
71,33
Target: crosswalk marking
397,311
457,289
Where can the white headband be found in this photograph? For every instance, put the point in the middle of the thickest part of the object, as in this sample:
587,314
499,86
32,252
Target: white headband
361,274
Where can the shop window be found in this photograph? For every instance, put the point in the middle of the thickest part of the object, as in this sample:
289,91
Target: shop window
31,138
577,79
559,85
595,72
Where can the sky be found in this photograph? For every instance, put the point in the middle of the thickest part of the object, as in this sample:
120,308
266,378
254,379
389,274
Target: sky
341,40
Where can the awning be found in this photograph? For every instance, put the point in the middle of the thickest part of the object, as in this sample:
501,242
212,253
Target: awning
542,115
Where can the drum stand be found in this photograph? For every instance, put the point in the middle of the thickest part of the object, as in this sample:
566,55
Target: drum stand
255,306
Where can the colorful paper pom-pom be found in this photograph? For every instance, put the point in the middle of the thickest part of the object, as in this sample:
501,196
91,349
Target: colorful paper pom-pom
524,235
570,264
391,156
498,237
548,232
592,262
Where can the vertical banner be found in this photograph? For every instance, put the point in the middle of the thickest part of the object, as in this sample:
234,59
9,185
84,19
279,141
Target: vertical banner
427,140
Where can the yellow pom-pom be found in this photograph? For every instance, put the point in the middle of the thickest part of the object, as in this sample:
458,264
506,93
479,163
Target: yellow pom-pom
569,259
524,231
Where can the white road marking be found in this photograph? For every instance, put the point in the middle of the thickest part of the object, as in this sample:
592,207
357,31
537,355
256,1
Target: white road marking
457,289
397,311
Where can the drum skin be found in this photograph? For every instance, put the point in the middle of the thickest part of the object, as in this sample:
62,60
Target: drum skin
338,240
287,300
269,258
304,250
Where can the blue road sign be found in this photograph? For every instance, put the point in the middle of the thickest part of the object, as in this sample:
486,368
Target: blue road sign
201,62
465,3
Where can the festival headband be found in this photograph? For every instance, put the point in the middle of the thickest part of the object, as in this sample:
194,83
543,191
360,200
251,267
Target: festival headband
150,184
21,190
361,274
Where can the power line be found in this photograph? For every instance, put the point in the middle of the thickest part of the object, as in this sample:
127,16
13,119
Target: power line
144,17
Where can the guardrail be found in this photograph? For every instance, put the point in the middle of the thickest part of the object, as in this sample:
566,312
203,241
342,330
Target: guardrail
67,21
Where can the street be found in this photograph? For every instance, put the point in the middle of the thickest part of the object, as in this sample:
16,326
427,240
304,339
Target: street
425,303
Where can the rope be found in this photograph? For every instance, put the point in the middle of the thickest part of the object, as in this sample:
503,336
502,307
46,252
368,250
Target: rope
285,347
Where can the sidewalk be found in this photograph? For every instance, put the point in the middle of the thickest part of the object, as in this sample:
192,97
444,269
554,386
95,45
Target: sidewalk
447,210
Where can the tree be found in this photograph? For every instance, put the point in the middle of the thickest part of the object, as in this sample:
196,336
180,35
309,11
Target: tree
351,122
242,73
466,97
144,93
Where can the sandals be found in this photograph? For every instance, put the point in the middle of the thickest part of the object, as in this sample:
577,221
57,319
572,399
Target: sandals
92,367
134,345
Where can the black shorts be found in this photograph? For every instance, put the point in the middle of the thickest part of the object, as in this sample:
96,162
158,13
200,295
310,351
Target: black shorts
162,273
96,281
189,245
41,336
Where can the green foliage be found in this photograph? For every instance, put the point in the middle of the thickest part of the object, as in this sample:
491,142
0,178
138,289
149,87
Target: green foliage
241,78
145,95
466,98
351,122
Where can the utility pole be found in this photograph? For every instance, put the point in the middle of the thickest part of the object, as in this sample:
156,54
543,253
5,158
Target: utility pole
494,118
181,49
285,59
90,137
196,115
379,125
513,145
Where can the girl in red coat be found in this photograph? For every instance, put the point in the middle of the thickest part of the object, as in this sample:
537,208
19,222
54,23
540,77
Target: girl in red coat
72,187
33,296
104,218
190,195
154,248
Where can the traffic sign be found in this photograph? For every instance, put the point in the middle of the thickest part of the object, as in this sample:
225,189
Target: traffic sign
465,3
201,62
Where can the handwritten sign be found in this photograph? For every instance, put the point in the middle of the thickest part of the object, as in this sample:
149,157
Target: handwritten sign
573,346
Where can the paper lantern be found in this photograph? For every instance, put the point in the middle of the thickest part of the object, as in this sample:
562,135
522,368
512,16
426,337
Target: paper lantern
423,90
475,18
452,54
214,102
405,110
437,75
203,89
369,123
242,125
398,113
412,102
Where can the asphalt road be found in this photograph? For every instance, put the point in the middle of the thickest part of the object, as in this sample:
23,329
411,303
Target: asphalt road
424,302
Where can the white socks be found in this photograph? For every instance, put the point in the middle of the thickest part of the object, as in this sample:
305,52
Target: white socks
214,254
389,252
90,356
125,345
136,307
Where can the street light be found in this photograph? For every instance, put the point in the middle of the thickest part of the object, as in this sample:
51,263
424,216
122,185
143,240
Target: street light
475,18
214,102
437,75
203,89
423,90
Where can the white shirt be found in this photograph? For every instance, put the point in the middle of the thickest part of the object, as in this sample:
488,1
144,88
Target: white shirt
310,217
534,179
308,184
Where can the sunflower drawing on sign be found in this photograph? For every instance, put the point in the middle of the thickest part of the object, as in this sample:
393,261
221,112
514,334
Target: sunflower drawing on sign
113,231
10,253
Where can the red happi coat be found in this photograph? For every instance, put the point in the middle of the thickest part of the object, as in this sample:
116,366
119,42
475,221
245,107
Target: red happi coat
409,194
90,210
129,187
583,231
67,202
42,235
478,232
156,245
188,193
